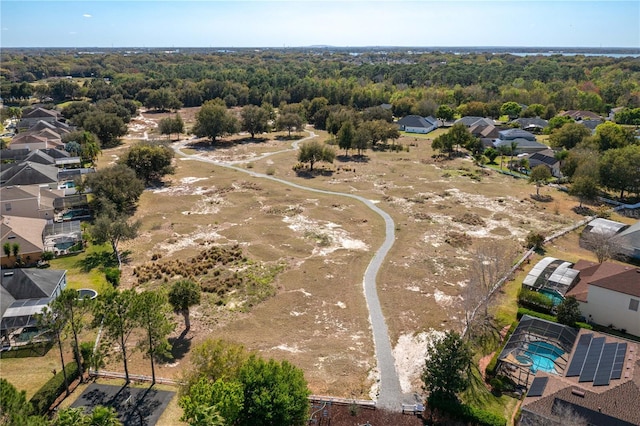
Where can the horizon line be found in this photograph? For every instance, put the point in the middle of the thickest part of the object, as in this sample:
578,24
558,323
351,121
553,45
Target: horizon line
323,46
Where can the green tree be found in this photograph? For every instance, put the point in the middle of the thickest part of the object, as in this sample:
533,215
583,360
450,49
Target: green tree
224,397
53,319
533,110
447,368
152,314
534,240
15,409
162,100
346,136
213,360
443,143
620,169
99,416
460,135
150,161
568,312
113,228
313,151
6,247
445,113
73,310
116,311
184,294
214,120
540,175
491,154
275,393
569,135
585,184
116,185
610,136
289,121
556,122
15,249
254,120
512,109
108,127
169,126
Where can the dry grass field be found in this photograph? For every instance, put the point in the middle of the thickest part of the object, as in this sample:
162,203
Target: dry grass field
317,317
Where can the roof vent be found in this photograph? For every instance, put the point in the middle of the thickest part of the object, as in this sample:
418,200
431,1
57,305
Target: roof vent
577,392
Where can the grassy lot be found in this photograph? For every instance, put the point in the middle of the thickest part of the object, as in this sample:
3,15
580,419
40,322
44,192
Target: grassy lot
77,275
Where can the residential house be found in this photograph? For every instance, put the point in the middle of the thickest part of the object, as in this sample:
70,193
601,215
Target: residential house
546,158
525,142
25,292
29,173
38,114
27,233
599,386
609,294
417,124
29,201
34,141
581,115
58,127
533,124
628,241
625,239
470,121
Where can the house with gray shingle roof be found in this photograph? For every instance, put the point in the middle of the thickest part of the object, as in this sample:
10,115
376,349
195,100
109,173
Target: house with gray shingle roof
474,121
547,158
532,124
417,124
524,141
24,293
29,173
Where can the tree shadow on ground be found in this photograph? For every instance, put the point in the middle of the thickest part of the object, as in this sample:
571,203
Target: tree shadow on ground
542,198
310,174
180,345
352,158
249,139
105,259
289,138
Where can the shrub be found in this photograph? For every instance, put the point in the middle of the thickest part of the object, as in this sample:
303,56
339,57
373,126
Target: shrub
534,300
113,276
468,414
49,392
534,240
524,311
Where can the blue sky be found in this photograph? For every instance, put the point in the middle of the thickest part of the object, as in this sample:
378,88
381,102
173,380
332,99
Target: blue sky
264,23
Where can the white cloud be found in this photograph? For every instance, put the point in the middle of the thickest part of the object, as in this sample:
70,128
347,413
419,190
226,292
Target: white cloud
86,15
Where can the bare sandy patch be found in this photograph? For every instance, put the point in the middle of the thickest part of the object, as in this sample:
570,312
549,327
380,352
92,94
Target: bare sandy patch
409,354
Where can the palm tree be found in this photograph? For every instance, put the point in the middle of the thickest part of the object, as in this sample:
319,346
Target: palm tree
514,146
7,249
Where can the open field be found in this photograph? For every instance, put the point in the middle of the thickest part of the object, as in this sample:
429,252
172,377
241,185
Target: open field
318,318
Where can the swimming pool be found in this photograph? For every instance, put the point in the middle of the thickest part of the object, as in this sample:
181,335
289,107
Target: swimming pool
543,355
555,297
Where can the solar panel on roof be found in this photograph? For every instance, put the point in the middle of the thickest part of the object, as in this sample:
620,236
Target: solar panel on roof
618,363
579,355
603,374
537,386
592,360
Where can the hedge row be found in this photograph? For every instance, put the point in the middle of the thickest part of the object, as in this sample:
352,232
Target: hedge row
524,311
490,370
50,391
469,414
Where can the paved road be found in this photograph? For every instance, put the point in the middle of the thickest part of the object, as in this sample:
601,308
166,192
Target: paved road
390,395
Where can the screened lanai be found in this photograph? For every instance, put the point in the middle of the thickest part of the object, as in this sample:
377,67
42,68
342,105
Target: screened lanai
536,345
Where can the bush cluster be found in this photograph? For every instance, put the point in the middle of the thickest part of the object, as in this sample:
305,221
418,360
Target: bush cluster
207,260
525,311
49,392
468,414
534,300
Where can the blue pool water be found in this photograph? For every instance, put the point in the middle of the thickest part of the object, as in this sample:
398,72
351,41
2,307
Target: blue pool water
554,296
543,355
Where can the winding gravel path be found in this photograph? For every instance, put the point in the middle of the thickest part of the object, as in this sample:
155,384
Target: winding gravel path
390,394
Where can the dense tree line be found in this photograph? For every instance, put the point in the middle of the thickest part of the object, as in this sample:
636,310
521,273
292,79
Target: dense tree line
418,82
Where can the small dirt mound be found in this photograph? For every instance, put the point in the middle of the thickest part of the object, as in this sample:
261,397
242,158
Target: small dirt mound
470,219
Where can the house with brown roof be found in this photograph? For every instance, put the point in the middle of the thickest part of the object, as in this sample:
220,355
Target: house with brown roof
27,233
609,294
36,115
32,141
580,115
